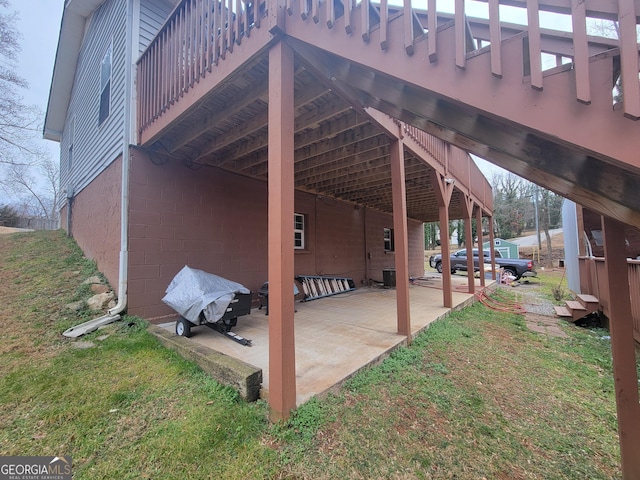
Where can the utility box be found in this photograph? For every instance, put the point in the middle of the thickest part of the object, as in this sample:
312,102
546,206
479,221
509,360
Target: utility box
389,277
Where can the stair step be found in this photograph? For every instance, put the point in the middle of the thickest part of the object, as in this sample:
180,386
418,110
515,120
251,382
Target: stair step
585,298
574,305
562,311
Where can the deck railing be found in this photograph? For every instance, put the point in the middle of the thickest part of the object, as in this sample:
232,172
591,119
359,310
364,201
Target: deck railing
593,278
362,17
197,35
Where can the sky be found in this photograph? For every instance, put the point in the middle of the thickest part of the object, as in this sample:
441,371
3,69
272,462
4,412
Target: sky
39,28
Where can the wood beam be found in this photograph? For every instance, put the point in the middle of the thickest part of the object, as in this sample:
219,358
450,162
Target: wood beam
492,250
622,347
282,364
401,239
601,183
603,9
443,189
468,240
343,140
232,106
480,247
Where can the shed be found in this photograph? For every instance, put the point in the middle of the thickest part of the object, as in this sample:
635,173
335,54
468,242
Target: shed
507,249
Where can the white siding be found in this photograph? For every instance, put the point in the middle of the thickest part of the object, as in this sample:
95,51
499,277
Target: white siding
96,146
153,14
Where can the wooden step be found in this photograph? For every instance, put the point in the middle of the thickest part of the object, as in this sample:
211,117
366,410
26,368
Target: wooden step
575,305
562,311
585,298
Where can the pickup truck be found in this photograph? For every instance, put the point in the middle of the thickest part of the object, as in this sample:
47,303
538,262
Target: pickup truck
515,266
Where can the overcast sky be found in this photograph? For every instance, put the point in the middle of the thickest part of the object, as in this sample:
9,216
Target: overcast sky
39,27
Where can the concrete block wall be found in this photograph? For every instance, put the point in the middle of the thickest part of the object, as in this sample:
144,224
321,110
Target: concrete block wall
217,221
95,221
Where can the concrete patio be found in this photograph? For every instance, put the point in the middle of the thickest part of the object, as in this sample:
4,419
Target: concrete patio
339,335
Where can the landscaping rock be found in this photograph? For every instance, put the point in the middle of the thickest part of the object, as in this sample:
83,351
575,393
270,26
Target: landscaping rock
99,288
98,302
76,306
91,280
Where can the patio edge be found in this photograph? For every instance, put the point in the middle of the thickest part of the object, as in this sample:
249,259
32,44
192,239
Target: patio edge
245,378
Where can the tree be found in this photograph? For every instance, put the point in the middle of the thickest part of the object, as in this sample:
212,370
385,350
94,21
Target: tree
27,176
511,204
430,235
35,187
19,124
8,216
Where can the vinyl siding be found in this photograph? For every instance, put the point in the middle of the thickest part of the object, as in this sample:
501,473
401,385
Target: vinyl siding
95,146
153,14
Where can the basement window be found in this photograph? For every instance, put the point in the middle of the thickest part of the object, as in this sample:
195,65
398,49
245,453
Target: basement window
388,240
105,86
298,231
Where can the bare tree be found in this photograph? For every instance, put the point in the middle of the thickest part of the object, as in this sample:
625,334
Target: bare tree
33,187
19,124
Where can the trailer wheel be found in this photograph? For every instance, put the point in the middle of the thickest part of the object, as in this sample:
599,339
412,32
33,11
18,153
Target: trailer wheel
183,327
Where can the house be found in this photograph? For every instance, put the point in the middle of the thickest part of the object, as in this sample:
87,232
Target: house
205,130
197,194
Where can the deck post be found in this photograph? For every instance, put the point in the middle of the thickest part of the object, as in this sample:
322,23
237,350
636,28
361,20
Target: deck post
622,347
282,365
443,188
492,250
468,240
480,242
400,238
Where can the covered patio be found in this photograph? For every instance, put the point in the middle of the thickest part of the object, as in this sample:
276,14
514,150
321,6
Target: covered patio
337,336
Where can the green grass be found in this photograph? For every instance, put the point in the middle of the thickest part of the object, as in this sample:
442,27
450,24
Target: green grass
475,396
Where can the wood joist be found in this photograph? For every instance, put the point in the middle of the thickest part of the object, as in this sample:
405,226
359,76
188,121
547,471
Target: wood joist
593,180
341,150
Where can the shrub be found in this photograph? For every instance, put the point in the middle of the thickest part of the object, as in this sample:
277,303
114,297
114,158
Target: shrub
8,216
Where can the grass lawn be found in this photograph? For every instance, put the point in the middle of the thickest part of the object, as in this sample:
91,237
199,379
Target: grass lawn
478,395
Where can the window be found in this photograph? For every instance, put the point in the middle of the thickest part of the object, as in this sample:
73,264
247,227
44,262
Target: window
298,231
105,86
388,240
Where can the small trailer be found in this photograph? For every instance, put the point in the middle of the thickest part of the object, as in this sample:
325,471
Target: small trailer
203,298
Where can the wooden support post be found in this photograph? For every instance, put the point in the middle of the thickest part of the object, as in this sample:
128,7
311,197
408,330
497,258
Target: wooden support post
480,242
443,188
468,241
400,237
492,250
282,364
623,347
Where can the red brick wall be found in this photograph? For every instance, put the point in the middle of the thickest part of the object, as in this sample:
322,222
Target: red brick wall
95,221
217,221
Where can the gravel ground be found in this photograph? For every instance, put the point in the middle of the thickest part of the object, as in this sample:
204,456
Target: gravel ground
531,300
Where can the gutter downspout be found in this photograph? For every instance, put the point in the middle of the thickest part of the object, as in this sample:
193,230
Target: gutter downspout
114,313
123,274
